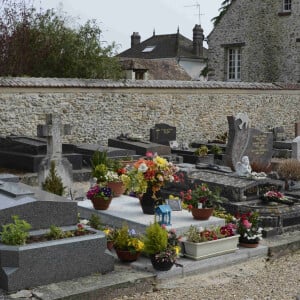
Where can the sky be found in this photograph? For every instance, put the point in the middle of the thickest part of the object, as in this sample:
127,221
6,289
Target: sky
118,19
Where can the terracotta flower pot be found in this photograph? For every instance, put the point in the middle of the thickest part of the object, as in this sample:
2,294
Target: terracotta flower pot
101,203
118,188
127,256
202,213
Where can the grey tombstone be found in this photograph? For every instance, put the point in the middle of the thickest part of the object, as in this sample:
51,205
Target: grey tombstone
279,134
162,134
53,131
36,264
246,141
296,148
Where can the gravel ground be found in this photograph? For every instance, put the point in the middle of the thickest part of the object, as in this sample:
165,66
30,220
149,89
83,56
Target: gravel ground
268,279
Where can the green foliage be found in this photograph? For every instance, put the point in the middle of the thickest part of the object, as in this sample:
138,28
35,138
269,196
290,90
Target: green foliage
215,149
53,183
202,151
15,233
224,7
55,233
44,44
156,239
121,237
95,222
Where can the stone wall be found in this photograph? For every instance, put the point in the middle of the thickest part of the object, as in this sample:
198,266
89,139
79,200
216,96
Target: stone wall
269,41
98,110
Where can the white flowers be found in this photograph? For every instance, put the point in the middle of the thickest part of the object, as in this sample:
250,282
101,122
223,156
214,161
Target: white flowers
143,168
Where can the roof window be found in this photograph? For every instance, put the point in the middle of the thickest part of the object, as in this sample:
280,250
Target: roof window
148,49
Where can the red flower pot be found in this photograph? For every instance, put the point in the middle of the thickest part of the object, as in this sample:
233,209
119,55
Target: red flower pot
202,213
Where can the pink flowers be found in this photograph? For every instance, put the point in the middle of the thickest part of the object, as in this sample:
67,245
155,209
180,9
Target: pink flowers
247,224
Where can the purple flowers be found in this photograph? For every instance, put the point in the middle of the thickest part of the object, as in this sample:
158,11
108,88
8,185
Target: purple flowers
97,191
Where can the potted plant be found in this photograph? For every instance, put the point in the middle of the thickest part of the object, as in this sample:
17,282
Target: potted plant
147,176
289,170
100,196
201,201
127,243
116,176
110,236
200,243
249,230
203,156
162,246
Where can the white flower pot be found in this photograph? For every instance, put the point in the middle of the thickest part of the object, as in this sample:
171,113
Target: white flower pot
207,249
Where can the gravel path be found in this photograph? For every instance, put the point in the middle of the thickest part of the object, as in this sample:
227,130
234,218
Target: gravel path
268,279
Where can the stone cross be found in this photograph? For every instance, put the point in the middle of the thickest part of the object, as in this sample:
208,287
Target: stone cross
296,148
53,131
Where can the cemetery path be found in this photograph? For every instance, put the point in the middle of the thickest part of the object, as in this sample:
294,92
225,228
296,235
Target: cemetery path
272,279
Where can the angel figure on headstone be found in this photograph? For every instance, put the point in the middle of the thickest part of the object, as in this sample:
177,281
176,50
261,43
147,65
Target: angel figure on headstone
243,168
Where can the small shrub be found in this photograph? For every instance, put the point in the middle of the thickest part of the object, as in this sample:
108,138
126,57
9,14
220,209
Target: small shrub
215,149
156,239
202,151
95,222
55,233
15,233
289,169
53,183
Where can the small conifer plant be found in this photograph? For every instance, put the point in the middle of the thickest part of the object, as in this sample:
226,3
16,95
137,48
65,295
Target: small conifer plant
53,183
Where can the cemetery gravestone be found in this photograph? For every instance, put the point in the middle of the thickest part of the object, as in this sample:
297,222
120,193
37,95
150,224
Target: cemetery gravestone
246,141
53,131
51,261
162,134
296,148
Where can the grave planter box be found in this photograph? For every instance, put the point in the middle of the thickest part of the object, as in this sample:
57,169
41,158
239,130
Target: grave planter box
47,262
208,249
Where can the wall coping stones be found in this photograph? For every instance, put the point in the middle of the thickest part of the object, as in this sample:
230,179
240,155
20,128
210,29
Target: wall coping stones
16,82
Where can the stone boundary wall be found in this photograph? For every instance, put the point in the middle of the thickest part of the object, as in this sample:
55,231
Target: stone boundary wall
101,109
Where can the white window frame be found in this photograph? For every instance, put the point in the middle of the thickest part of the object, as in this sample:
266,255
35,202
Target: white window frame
234,64
287,5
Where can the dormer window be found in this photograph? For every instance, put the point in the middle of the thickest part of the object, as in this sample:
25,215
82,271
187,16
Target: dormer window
148,49
287,5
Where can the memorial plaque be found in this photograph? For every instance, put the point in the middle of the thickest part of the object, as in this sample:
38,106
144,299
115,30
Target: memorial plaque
162,134
175,204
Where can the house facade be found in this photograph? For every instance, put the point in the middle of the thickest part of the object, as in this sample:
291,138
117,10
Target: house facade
164,51
256,41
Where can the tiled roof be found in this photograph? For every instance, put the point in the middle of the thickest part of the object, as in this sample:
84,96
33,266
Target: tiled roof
25,82
158,69
166,46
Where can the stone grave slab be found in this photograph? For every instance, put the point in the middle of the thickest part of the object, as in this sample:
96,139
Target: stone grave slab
233,187
162,134
128,209
87,151
140,147
26,153
36,264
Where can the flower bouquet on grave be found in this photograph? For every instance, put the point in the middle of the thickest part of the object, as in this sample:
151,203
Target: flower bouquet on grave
100,196
275,196
247,225
147,176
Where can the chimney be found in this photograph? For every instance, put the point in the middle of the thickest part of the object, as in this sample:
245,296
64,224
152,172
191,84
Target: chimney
198,38
135,39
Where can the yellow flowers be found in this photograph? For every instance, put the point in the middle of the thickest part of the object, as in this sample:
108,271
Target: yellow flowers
172,197
137,244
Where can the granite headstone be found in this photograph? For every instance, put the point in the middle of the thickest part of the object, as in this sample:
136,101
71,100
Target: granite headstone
162,134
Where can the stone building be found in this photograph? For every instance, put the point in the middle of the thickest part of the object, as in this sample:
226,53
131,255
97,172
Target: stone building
256,41
163,52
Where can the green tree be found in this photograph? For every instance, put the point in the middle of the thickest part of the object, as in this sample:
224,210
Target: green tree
43,44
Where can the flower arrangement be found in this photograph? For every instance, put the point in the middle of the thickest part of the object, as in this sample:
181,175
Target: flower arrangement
248,227
150,172
275,196
110,233
127,239
199,235
200,197
97,191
